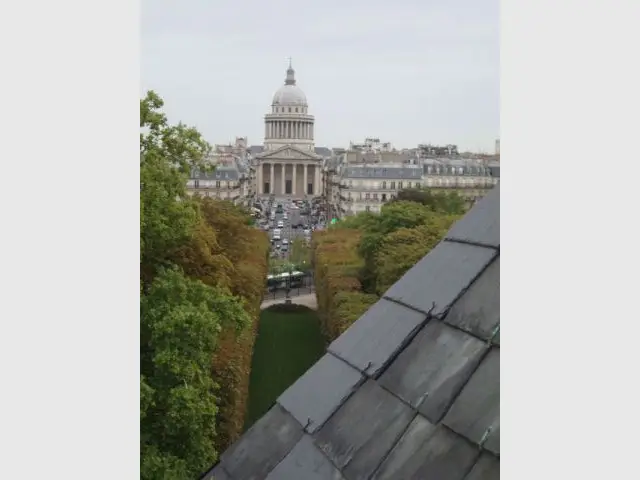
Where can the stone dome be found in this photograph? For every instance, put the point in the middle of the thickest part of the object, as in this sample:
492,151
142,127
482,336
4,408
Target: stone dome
290,93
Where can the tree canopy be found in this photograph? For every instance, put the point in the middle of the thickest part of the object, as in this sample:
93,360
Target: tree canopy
202,274
360,257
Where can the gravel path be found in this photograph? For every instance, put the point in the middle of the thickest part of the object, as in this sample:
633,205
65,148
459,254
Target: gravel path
306,300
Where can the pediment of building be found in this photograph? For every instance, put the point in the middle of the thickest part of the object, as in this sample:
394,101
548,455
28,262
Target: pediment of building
288,152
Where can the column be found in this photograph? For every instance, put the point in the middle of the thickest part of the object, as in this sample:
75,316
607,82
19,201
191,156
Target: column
259,179
316,181
284,165
304,178
311,132
272,180
293,180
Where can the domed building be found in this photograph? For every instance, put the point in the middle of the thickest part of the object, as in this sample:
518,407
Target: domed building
288,164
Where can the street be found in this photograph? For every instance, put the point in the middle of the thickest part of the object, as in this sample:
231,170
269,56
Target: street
272,215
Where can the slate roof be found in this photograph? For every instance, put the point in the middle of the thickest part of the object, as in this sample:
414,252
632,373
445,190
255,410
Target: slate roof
393,172
221,172
459,166
410,391
323,151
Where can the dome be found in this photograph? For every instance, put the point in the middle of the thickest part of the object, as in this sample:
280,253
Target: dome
290,95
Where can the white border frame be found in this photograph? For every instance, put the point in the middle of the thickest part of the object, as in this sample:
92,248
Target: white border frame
70,183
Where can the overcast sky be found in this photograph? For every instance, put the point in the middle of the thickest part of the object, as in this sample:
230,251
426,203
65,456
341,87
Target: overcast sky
406,71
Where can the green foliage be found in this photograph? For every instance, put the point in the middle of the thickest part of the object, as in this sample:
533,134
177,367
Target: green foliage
167,216
403,248
348,307
181,319
202,272
448,203
337,268
300,254
359,258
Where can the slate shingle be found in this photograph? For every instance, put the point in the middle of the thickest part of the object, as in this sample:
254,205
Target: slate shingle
478,310
430,392
476,411
428,452
432,370
441,276
360,434
486,468
493,442
305,462
261,448
375,337
217,473
320,391
483,225
496,338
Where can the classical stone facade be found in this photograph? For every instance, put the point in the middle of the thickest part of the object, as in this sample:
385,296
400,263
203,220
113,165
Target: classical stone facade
356,187
289,164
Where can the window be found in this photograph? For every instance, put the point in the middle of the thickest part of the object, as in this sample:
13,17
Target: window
289,109
399,185
408,184
366,196
393,185
217,183
375,196
384,185
296,109
367,208
196,183
384,197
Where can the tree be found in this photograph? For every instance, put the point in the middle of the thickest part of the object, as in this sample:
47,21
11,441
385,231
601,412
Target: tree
186,307
449,203
167,154
300,254
402,249
182,319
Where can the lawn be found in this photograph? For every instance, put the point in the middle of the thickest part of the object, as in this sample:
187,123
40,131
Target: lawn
288,343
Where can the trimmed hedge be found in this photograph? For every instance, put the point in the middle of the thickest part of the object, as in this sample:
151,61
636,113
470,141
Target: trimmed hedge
232,362
229,252
337,268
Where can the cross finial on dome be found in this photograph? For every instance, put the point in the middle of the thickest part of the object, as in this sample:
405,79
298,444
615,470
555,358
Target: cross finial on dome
291,75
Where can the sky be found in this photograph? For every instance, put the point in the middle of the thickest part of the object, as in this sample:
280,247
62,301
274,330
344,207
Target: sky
404,71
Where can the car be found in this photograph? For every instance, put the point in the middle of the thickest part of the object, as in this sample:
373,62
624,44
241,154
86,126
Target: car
285,217
276,238
280,224
284,248
285,241
307,231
